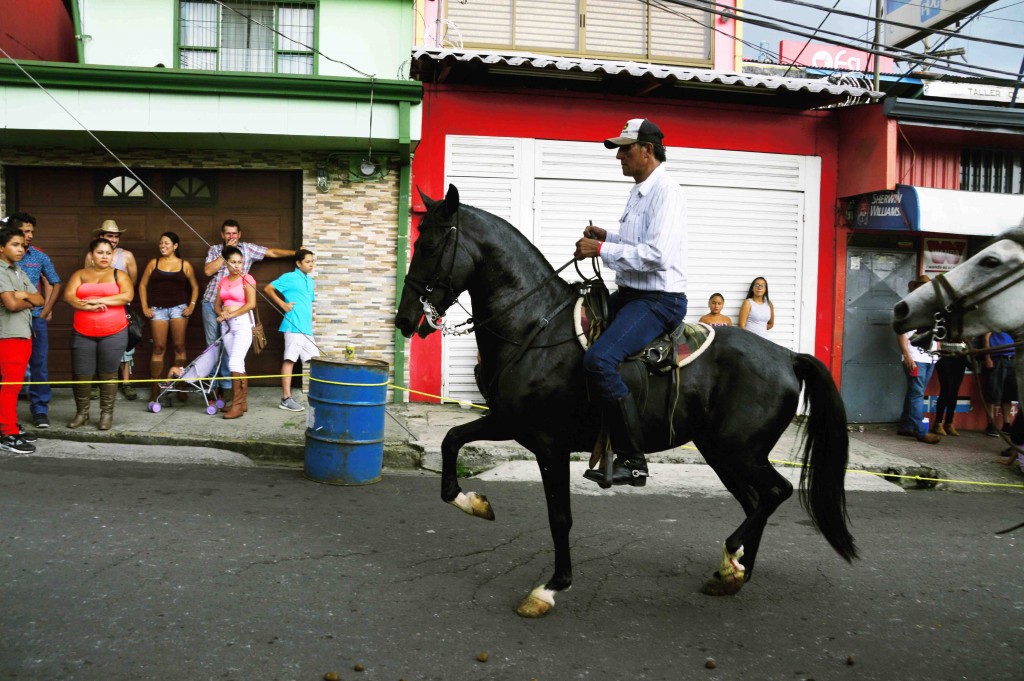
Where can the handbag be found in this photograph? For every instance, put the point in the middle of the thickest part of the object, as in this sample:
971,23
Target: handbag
259,338
135,328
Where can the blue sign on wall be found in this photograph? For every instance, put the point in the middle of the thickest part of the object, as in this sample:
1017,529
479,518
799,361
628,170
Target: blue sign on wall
887,210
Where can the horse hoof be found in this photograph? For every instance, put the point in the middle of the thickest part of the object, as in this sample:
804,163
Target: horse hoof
537,604
474,504
716,587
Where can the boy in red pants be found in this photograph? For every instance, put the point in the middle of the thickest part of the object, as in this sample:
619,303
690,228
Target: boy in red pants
18,296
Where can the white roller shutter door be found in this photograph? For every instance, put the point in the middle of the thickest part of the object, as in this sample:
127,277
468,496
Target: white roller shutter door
749,214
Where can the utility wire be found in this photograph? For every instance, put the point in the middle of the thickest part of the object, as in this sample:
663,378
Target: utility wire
900,24
842,40
290,39
135,175
801,52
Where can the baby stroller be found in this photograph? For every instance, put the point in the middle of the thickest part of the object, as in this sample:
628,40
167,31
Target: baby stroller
195,378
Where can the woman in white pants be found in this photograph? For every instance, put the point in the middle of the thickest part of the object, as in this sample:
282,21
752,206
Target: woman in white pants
235,302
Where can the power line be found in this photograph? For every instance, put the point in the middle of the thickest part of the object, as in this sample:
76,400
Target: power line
900,24
133,174
801,52
842,40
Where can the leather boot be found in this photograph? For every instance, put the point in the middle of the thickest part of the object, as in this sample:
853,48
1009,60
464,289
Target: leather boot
156,370
108,394
623,422
237,396
81,393
245,393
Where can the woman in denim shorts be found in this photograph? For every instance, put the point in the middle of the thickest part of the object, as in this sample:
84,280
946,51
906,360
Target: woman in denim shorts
168,291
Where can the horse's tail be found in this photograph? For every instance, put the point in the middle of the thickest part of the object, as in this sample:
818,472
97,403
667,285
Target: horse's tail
826,448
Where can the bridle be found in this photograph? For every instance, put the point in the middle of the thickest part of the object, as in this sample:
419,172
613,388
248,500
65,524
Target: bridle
444,281
949,320
438,279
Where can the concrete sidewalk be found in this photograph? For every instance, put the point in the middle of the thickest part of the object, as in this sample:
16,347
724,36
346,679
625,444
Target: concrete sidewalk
414,431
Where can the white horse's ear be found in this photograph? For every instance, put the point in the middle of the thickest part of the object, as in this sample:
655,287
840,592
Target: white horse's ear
427,201
451,200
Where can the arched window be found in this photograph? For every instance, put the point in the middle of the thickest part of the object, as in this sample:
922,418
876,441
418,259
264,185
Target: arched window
190,188
121,188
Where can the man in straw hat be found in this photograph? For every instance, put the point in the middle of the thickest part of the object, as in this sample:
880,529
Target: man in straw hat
918,364
124,260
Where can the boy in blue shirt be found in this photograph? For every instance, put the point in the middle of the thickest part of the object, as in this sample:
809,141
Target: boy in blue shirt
294,293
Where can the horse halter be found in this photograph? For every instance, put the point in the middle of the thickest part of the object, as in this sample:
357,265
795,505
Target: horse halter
426,287
950,319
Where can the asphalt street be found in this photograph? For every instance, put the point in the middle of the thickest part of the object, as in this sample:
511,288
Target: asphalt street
120,570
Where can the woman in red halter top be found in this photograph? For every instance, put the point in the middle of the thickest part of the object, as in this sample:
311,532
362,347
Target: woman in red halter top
98,293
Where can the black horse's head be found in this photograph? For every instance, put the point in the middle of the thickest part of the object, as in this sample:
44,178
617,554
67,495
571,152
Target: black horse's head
439,268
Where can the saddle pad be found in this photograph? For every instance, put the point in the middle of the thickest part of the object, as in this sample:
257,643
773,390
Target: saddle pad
694,339
689,338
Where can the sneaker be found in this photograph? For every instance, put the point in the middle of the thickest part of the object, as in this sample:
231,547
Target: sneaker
25,435
16,444
289,404
40,421
129,392
991,432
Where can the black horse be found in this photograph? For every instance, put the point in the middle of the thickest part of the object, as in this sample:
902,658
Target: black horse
734,401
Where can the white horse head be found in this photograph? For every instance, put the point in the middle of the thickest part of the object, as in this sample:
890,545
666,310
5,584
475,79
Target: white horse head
985,293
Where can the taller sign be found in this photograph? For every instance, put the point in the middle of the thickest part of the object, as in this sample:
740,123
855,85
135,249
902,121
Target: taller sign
923,17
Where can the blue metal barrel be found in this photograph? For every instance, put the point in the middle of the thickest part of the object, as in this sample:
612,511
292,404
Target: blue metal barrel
345,423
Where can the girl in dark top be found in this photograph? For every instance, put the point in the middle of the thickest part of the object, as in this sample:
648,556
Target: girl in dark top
168,292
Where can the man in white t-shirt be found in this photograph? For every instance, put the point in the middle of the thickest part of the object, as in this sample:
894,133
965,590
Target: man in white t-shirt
918,364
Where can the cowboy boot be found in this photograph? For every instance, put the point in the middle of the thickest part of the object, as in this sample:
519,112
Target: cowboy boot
237,397
108,395
623,422
81,392
156,370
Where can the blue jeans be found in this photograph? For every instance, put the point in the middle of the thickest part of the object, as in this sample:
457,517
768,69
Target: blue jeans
913,403
211,327
38,366
638,317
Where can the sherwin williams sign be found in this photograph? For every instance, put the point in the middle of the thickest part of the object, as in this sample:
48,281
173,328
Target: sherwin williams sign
883,210
945,211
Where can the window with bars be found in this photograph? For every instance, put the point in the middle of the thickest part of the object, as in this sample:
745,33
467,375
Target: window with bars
246,35
644,31
992,170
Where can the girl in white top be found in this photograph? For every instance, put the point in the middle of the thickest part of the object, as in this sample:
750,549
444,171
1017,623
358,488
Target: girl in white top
757,313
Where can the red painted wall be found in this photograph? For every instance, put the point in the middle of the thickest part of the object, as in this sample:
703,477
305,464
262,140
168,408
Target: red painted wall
561,116
37,29
867,148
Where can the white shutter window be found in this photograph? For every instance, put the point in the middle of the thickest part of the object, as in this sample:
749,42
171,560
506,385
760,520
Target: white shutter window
482,22
547,24
563,207
736,235
615,27
680,33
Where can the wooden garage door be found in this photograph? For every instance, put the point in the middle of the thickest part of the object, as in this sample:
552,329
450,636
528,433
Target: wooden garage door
69,206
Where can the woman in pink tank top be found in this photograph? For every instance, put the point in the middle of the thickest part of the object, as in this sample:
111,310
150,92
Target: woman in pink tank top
236,299
98,293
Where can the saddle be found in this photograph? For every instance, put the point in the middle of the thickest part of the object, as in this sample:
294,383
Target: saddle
682,345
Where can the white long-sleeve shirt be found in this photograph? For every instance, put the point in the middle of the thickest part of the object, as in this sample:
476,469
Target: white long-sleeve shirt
648,253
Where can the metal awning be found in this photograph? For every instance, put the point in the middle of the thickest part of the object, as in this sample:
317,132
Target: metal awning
941,211
576,67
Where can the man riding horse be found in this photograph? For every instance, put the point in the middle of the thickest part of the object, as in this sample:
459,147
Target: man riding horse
648,255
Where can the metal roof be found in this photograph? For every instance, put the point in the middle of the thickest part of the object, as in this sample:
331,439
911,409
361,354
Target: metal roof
528,61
